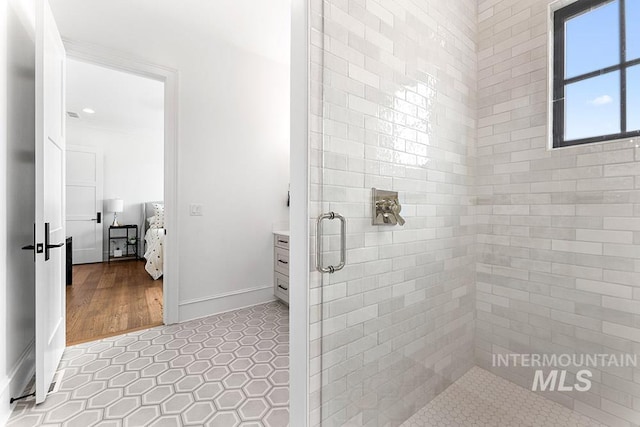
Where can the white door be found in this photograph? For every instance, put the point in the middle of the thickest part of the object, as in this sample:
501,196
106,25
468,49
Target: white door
50,193
84,202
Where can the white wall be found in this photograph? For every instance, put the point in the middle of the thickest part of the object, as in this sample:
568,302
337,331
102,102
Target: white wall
17,185
234,159
4,407
133,167
233,147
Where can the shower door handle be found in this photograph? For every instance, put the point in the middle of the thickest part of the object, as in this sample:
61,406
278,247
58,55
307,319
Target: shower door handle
343,243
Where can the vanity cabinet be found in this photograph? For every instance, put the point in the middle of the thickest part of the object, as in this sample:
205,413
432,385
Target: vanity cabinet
281,266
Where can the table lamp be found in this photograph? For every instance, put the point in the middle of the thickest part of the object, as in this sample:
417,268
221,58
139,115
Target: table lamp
115,206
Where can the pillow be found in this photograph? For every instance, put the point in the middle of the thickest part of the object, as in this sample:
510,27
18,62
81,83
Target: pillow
151,221
158,216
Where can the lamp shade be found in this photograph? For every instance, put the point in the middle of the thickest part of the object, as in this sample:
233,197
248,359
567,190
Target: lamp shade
115,205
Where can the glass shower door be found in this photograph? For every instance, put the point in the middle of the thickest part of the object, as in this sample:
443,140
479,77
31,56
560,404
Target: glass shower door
392,294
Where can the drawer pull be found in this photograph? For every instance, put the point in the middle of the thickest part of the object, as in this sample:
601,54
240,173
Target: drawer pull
283,241
284,262
282,287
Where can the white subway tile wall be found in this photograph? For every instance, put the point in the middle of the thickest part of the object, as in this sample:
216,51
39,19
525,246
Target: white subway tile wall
558,230
393,106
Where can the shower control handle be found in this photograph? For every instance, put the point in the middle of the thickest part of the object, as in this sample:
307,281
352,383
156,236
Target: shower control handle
385,208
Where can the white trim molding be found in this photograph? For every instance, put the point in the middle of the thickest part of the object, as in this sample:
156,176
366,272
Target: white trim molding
210,305
118,61
299,217
15,383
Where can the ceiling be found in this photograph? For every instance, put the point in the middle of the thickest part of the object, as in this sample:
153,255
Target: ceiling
258,26
172,33
121,101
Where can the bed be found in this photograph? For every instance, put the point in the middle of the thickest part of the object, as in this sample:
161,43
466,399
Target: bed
154,235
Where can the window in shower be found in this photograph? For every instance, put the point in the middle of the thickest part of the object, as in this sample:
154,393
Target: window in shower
596,71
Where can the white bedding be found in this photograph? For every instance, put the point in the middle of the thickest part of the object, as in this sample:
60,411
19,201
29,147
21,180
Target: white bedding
154,253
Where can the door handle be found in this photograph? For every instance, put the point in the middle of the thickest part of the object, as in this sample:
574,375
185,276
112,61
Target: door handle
37,248
48,245
98,218
343,243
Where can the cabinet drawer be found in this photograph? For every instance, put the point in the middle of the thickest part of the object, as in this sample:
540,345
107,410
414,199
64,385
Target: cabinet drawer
281,261
282,241
281,287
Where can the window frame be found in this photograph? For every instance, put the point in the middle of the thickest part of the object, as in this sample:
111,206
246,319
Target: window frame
560,17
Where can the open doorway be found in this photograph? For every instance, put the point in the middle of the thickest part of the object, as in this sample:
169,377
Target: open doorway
115,201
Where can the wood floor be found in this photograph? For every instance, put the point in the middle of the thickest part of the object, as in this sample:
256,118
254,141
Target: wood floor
111,299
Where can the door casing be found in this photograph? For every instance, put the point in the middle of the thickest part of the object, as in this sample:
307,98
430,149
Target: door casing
299,216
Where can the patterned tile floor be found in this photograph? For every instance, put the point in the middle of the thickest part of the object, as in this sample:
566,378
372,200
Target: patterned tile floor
480,398
226,370
233,370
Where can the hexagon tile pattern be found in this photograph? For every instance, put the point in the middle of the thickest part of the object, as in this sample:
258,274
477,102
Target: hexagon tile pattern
480,398
227,370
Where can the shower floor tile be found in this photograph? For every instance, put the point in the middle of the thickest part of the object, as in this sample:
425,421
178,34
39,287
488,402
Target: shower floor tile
480,398
227,370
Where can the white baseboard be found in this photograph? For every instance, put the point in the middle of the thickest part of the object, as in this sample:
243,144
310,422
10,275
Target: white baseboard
215,304
15,383
5,395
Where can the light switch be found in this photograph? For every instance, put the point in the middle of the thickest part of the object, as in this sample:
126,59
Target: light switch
195,209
